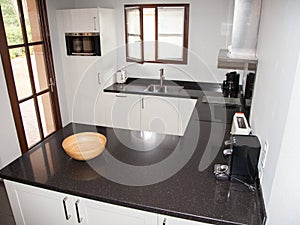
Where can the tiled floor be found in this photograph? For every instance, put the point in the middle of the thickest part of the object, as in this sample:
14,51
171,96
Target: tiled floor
6,217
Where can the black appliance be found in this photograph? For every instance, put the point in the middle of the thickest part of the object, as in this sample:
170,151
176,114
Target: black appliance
249,85
242,159
231,86
83,44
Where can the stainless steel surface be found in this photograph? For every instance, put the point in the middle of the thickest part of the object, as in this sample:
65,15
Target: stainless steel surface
162,77
79,218
226,62
163,89
83,34
245,28
227,151
68,216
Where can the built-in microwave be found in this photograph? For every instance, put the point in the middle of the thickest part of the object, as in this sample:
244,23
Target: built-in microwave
84,44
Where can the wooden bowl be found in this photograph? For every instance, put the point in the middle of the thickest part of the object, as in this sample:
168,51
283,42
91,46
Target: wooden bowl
84,146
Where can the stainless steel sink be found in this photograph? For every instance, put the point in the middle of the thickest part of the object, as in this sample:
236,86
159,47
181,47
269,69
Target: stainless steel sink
155,88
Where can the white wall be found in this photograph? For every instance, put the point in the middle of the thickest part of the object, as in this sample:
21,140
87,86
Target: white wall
10,149
52,6
273,117
210,30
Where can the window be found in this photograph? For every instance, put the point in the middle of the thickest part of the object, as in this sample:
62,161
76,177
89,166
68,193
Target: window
157,33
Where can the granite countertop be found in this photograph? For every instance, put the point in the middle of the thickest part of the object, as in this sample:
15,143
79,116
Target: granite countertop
193,90
159,173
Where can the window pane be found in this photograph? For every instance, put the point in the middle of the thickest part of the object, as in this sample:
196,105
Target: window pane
149,33
31,20
170,32
134,43
20,71
30,122
46,114
133,21
38,67
11,21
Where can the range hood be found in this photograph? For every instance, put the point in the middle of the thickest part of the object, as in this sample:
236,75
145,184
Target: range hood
241,54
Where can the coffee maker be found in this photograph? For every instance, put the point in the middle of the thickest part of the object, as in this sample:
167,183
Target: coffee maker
231,86
242,158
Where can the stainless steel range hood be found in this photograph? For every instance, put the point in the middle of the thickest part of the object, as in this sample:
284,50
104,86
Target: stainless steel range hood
242,51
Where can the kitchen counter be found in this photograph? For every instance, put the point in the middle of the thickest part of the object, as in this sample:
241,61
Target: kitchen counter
159,173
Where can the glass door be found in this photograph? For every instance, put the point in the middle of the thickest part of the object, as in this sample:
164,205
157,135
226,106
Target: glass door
28,67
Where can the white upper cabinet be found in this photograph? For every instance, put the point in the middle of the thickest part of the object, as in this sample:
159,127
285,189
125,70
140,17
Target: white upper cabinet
81,20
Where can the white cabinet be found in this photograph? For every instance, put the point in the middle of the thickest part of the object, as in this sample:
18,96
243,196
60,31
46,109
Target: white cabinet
36,206
169,220
121,110
81,20
145,112
102,213
160,114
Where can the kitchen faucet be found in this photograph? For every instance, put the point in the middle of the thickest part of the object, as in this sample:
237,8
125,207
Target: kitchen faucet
162,77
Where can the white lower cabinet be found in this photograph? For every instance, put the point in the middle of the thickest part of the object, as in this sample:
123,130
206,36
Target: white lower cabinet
169,220
37,206
160,114
166,115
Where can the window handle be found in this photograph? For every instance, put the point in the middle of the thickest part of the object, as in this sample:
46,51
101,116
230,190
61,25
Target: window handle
165,221
51,84
79,219
68,216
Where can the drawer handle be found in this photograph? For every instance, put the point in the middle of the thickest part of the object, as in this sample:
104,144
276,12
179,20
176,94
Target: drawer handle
79,219
68,216
165,221
121,96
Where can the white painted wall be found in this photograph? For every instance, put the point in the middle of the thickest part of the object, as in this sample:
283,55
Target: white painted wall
274,107
52,6
210,30
10,148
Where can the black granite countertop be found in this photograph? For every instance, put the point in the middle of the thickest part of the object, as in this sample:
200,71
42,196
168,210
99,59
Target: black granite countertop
190,89
159,173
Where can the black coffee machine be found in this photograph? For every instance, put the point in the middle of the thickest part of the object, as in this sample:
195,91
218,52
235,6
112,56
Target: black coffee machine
242,159
231,86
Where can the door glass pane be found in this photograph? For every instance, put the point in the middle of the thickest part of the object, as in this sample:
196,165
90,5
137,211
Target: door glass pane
20,71
46,114
11,21
30,122
149,33
38,67
170,32
31,20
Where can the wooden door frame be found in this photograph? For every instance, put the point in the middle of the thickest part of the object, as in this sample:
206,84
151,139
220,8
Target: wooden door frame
8,73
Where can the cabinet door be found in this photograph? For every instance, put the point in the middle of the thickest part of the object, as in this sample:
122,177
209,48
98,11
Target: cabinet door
168,220
160,114
81,20
36,206
108,214
122,110
186,107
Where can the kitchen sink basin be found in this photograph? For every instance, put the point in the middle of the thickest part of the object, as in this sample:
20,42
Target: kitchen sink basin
155,88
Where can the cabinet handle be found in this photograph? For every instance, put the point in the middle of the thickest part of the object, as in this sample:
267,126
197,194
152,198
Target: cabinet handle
143,104
79,219
68,216
165,221
99,78
121,96
95,23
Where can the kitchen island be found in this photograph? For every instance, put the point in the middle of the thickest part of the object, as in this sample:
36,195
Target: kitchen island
172,175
